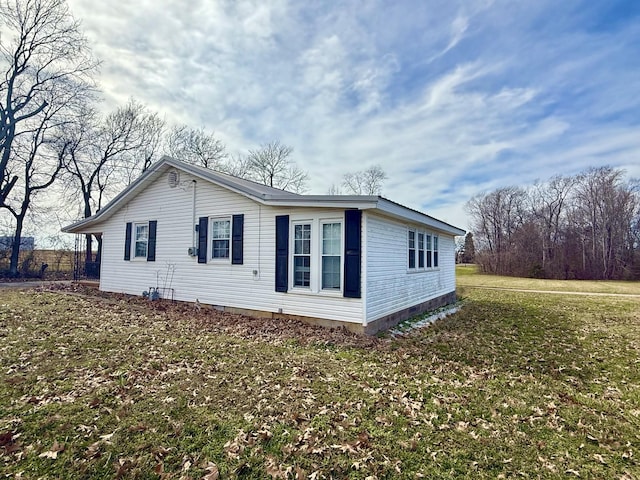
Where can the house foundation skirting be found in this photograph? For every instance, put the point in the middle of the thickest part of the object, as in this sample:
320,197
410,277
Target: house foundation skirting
372,328
393,319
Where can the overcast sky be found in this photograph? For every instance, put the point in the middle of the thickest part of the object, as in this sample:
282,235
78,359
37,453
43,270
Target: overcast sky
451,98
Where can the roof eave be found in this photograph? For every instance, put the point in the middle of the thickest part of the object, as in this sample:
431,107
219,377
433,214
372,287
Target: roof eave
400,211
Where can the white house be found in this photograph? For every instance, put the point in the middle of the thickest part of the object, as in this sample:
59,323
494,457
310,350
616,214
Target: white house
364,262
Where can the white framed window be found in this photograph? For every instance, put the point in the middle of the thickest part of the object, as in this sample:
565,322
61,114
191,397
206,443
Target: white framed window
429,251
331,255
302,255
420,250
435,251
220,238
141,240
412,249
316,255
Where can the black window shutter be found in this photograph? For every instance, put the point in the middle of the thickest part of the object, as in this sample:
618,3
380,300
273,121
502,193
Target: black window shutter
352,252
282,253
151,246
237,229
127,241
203,228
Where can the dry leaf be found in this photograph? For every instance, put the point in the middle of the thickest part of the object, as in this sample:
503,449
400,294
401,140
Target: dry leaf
212,472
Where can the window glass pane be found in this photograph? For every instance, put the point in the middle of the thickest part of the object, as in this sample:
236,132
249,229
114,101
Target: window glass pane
331,238
142,232
420,241
302,239
412,239
428,242
221,229
331,272
412,258
301,271
142,237
141,249
220,249
435,243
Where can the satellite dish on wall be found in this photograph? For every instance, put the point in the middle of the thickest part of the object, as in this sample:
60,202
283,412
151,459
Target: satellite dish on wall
173,178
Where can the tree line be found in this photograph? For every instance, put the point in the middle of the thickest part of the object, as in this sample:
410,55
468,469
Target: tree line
585,226
53,136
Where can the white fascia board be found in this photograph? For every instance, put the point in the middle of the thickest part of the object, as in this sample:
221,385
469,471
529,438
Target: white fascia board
324,201
398,211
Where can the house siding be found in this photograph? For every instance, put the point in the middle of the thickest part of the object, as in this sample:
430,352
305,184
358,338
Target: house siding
216,282
390,286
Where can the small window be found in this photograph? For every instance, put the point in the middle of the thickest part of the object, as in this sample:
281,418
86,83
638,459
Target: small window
141,240
220,238
331,248
420,250
429,251
302,255
435,251
412,249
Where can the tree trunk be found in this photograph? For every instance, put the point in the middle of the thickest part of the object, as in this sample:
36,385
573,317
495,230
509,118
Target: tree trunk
15,247
88,256
99,252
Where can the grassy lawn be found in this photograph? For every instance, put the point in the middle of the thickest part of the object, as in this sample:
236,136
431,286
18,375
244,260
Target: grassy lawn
514,385
467,275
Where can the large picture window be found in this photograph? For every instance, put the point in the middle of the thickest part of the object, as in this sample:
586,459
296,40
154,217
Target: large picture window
141,240
302,255
331,248
220,238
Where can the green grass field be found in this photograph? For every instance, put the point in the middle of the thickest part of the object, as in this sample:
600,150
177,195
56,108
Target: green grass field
514,385
469,277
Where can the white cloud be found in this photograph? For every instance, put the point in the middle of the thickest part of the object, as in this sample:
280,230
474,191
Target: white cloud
450,98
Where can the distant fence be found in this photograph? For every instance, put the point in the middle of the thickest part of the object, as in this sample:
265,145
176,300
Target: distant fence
60,263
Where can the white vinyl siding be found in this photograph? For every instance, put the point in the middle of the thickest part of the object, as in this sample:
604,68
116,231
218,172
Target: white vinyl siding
388,286
215,283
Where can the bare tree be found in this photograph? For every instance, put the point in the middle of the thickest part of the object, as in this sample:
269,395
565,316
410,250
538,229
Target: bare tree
334,190
365,182
496,218
153,131
42,52
238,166
271,165
104,156
41,157
585,226
605,211
197,147
549,208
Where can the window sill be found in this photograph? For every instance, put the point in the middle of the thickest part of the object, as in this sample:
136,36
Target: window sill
422,270
319,293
